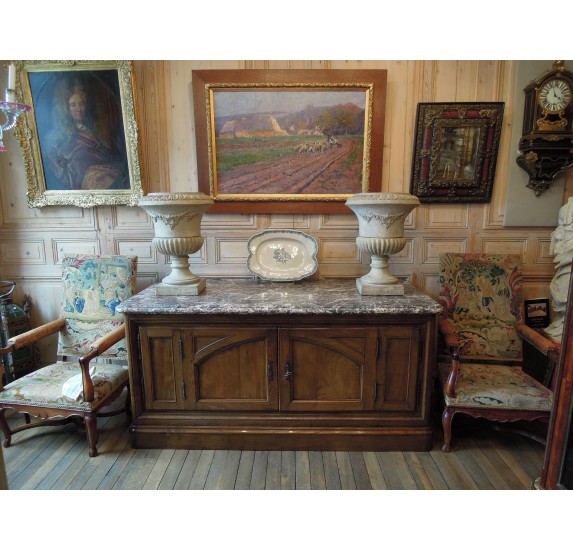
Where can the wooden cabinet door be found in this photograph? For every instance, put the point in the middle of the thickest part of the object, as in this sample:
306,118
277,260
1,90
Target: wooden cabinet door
234,369
326,369
397,373
161,361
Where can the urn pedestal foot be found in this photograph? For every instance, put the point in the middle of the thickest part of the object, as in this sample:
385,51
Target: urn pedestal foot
370,289
180,290
379,281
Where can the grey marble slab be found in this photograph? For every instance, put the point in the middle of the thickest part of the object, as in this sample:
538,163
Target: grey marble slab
248,297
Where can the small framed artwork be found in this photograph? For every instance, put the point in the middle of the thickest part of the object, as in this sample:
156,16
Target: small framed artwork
537,312
455,151
80,141
288,140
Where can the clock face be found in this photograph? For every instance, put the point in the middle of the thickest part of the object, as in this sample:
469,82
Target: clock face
554,95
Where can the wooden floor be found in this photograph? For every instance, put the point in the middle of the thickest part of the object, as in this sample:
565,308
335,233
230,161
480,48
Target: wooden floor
57,458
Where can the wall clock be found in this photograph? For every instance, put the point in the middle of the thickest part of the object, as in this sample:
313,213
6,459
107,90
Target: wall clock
546,146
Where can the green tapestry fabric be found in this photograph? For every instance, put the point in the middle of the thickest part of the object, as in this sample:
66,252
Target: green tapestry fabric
481,295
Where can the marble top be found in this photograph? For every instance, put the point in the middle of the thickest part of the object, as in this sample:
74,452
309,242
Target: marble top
249,296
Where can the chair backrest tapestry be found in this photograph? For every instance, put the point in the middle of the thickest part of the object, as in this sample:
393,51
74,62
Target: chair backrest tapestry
93,286
481,294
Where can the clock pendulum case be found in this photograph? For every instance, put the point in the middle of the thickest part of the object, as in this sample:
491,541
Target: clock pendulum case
546,146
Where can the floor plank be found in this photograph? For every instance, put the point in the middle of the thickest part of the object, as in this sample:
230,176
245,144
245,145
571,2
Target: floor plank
374,471
288,470
396,471
345,470
361,477
187,470
331,473
173,470
158,471
245,471
57,458
230,471
216,470
316,467
302,465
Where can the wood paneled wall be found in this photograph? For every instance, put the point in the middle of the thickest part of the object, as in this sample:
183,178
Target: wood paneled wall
33,241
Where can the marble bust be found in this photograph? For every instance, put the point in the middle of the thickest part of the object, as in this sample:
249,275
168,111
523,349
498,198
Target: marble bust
562,249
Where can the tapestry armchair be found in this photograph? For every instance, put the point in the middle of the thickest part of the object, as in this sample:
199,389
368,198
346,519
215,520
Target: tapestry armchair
76,386
481,328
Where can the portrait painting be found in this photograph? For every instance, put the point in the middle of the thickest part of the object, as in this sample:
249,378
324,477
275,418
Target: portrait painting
80,150
288,140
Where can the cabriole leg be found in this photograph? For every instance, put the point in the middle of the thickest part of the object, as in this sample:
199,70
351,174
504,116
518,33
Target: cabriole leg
447,418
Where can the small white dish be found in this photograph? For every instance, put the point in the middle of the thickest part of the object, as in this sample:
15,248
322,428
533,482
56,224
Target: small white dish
282,255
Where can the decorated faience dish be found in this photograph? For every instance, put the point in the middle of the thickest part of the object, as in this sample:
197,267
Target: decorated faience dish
282,255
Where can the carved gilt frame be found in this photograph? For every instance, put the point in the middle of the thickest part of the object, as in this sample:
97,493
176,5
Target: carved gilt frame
286,129
455,151
87,163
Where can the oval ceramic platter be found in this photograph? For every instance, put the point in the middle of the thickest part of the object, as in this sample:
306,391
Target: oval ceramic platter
282,255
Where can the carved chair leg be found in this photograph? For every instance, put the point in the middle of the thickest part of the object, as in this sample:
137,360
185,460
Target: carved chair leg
128,403
92,433
5,429
447,418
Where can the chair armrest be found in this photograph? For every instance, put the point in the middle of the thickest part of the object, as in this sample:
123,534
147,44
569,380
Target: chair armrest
98,347
30,336
446,328
537,340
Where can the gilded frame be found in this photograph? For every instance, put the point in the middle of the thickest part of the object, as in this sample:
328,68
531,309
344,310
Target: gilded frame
89,163
287,143
455,151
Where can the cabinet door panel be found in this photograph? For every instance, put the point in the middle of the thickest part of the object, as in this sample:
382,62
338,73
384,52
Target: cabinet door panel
161,368
234,370
398,365
326,369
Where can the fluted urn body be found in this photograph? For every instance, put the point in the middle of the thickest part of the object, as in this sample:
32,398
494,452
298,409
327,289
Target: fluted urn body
177,225
381,234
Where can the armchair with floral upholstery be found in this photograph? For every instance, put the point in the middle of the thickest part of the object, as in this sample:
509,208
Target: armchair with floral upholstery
481,328
88,328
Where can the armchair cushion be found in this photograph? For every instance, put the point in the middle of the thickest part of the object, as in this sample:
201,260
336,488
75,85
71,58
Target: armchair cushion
496,386
43,388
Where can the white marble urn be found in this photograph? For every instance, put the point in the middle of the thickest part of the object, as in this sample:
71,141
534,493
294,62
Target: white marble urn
177,224
381,234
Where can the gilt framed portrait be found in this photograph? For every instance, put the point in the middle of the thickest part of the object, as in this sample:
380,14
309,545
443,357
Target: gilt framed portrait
455,151
80,141
288,140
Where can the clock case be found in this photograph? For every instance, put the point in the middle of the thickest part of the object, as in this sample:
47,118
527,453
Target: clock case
547,144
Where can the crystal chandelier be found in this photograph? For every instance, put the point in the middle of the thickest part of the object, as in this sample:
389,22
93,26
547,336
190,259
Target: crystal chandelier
11,108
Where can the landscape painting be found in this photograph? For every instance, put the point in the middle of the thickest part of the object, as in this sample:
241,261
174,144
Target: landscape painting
289,142
283,143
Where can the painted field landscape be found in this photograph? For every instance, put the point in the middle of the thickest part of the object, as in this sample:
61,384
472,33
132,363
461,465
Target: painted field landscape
289,142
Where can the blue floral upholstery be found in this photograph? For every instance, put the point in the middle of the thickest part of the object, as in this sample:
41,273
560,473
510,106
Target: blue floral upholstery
93,287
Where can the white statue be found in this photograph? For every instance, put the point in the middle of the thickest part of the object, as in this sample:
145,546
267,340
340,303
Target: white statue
562,249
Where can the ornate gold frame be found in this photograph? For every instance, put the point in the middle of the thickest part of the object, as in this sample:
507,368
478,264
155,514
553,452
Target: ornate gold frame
206,83
27,133
455,151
